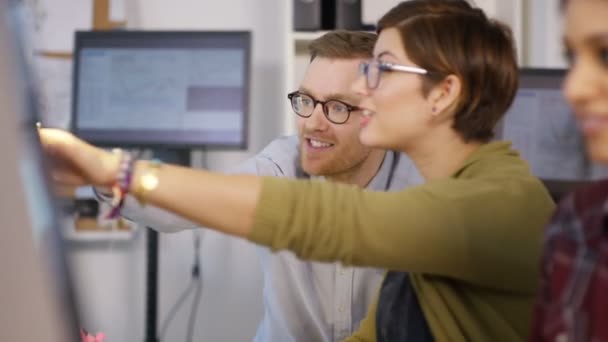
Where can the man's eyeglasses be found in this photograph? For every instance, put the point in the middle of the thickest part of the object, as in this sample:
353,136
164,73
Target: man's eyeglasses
335,111
373,69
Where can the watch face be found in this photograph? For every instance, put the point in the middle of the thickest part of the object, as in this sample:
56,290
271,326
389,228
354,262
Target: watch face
149,181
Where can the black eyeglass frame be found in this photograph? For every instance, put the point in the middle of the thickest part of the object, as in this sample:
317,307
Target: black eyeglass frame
349,108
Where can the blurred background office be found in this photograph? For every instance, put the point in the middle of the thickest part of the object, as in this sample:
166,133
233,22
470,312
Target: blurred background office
109,266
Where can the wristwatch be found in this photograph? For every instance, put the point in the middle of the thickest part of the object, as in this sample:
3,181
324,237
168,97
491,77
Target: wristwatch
147,180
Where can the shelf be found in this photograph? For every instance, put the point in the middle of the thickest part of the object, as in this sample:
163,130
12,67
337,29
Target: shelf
93,235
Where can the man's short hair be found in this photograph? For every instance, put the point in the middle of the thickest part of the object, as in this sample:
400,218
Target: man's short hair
342,44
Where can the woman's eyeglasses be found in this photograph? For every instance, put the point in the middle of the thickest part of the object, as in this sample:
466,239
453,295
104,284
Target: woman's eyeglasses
373,69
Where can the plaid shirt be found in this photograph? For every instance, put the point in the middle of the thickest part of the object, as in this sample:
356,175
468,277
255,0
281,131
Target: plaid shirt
573,303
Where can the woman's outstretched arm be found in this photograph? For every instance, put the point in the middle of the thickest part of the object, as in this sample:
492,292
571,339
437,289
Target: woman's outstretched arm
225,202
451,227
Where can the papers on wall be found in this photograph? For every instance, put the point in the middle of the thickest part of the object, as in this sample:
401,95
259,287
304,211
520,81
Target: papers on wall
51,26
54,86
56,20
117,10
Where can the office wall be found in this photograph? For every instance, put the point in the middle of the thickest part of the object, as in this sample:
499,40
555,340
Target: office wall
110,276
543,38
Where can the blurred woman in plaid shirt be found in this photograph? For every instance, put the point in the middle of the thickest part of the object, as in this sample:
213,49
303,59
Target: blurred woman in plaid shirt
573,303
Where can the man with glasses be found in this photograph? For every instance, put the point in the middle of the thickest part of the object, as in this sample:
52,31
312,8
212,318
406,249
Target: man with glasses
311,301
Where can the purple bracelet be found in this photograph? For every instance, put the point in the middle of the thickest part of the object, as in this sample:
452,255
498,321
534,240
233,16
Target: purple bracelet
120,189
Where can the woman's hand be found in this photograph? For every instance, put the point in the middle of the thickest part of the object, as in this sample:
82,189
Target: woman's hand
75,162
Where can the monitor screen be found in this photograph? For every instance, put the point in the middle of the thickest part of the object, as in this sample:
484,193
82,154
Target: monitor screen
169,89
35,291
542,127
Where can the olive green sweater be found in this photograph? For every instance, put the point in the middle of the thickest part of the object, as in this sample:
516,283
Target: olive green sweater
471,242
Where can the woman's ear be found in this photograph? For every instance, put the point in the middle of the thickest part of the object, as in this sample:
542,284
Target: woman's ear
445,95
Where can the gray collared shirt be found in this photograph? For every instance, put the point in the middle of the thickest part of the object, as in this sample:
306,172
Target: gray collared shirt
303,301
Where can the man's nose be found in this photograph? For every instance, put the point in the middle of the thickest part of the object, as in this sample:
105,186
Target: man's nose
317,120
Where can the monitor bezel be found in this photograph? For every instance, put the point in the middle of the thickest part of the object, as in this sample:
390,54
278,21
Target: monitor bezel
541,72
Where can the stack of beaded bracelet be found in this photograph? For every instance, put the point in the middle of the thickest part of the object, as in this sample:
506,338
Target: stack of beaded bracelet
121,185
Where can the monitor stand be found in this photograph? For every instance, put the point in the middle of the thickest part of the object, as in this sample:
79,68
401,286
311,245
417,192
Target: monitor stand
169,156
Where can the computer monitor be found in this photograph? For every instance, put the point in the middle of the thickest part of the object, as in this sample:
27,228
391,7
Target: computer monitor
36,297
541,125
161,88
